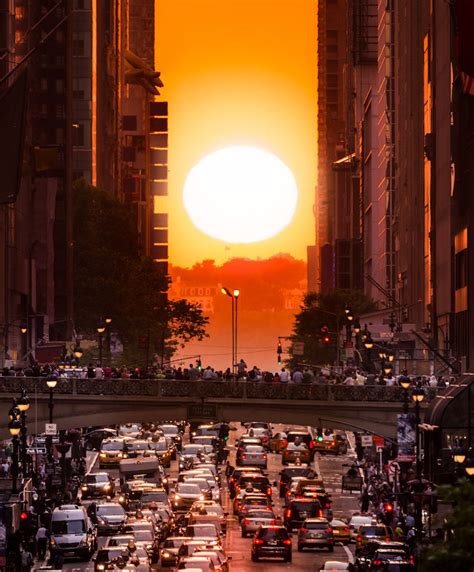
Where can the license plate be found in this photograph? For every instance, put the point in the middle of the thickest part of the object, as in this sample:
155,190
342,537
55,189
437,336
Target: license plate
297,454
69,553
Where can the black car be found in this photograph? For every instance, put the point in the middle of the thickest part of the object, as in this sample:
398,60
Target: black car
106,557
391,559
299,510
271,542
98,485
93,439
366,554
294,471
258,482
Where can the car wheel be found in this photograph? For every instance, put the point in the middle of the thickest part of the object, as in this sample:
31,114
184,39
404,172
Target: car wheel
254,558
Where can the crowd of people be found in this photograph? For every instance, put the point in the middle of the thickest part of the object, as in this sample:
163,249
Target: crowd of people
351,376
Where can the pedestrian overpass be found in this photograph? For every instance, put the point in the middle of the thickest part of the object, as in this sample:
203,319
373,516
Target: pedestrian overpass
102,402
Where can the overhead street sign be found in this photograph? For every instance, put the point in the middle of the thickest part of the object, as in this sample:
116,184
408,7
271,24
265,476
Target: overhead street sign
50,429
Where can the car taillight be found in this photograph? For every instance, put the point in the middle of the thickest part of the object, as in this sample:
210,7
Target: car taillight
359,538
311,444
411,560
281,482
264,456
244,456
269,491
288,513
328,505
273,522
284,443
245,521
376,562
329,530
287,541
303,529
320,513
258,541
387,539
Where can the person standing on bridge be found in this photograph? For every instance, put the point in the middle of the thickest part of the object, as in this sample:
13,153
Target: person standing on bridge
241,369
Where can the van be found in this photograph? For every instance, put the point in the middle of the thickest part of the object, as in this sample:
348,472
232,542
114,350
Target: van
72,532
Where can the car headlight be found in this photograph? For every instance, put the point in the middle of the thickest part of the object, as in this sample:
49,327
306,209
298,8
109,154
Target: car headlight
121,498
176,497
103,455
107,487
201,497
165,480
53,542
100,567
84,488
165,555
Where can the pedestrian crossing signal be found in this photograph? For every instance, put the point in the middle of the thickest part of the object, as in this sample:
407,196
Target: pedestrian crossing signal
279,352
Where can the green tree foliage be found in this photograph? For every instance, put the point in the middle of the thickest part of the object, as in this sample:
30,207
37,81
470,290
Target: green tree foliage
325,310
112,279
457,553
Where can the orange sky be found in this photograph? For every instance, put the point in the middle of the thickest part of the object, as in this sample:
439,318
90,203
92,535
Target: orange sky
238,72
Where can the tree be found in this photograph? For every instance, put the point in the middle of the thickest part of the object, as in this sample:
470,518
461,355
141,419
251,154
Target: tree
457,553
112,278
321,313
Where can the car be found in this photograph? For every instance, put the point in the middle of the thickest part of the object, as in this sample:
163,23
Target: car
208,533
331,442
108,516
130,430
255,481
137,448
235,475
205,430
366,554
369,532
169,550
260,433
301,470
252,455
72,532
97,485
278,442
144,536
299,510
384,558
217,557
206,507
106,557
341,531
154,496
296,436
93,439
295,451
162,451
185,495
315,533
188,455
204,485
196,563
356,521
252,503
250,496
336,566
112,451
172,430
271,541
255,518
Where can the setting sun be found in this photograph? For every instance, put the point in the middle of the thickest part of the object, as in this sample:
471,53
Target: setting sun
240,195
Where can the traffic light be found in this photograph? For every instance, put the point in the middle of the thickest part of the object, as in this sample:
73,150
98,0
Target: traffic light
279,352
199,365
325,337
319,436
388,507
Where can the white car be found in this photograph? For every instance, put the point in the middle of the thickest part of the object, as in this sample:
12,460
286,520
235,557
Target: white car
334,566
357,521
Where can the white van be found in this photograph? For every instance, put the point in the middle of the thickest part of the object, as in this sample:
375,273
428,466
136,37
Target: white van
72,532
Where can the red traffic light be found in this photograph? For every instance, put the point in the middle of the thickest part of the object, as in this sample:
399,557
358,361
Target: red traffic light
388,507
326,340
23,515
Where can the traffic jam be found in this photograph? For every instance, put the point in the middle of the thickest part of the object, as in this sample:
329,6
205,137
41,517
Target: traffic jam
220,497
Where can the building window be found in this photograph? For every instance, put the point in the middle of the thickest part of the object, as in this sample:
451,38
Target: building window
59,86
78,46
44,84
78,135
331,34
332,48
59,135
60,112
460,263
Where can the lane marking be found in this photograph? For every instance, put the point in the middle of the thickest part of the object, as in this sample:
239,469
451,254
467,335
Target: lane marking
350,556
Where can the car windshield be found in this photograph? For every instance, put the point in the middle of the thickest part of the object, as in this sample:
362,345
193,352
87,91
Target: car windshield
296,446
154,496
316,525
173,542
214,509
259,514
97,479
288,474
160,446
112,446
248,481
202,484
68,526
254,449
205,440
270,533
201,531
137,445
186,489
143,535
299,437
191,449
374,531
110,510
312,507
169,430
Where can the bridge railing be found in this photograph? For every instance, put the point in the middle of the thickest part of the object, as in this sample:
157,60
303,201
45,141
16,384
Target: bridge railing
170,388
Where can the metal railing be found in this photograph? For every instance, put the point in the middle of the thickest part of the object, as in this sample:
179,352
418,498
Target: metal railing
168,388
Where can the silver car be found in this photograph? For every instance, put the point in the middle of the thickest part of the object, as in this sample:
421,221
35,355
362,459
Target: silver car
254,456
254,519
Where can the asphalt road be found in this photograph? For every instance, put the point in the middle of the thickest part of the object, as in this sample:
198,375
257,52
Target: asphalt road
331,470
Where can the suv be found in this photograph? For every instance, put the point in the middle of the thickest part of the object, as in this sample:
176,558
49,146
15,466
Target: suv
365,555
271,541
369,532
258,482
315,533
299,510
293,471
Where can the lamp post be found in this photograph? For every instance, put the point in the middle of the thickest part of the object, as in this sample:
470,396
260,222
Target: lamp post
14,427
108,322
417,395
227,292
77,352
405,383
51,382
23,406
62,448
100,330
236,295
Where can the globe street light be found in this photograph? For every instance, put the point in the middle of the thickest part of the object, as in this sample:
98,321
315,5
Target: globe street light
51,382
77,352
227,292
23,406
418,395
469,467
14,427
405,383
100,330
236,294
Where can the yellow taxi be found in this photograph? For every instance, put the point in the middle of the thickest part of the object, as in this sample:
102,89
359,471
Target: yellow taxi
112,452
296,452
278,442
340,530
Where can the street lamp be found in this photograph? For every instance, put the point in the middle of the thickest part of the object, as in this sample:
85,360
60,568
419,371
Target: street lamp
227,292
469,467
405,383
23,405
62,448
368,343
418,395
236,294
14,427
100,330
51,382
77,352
